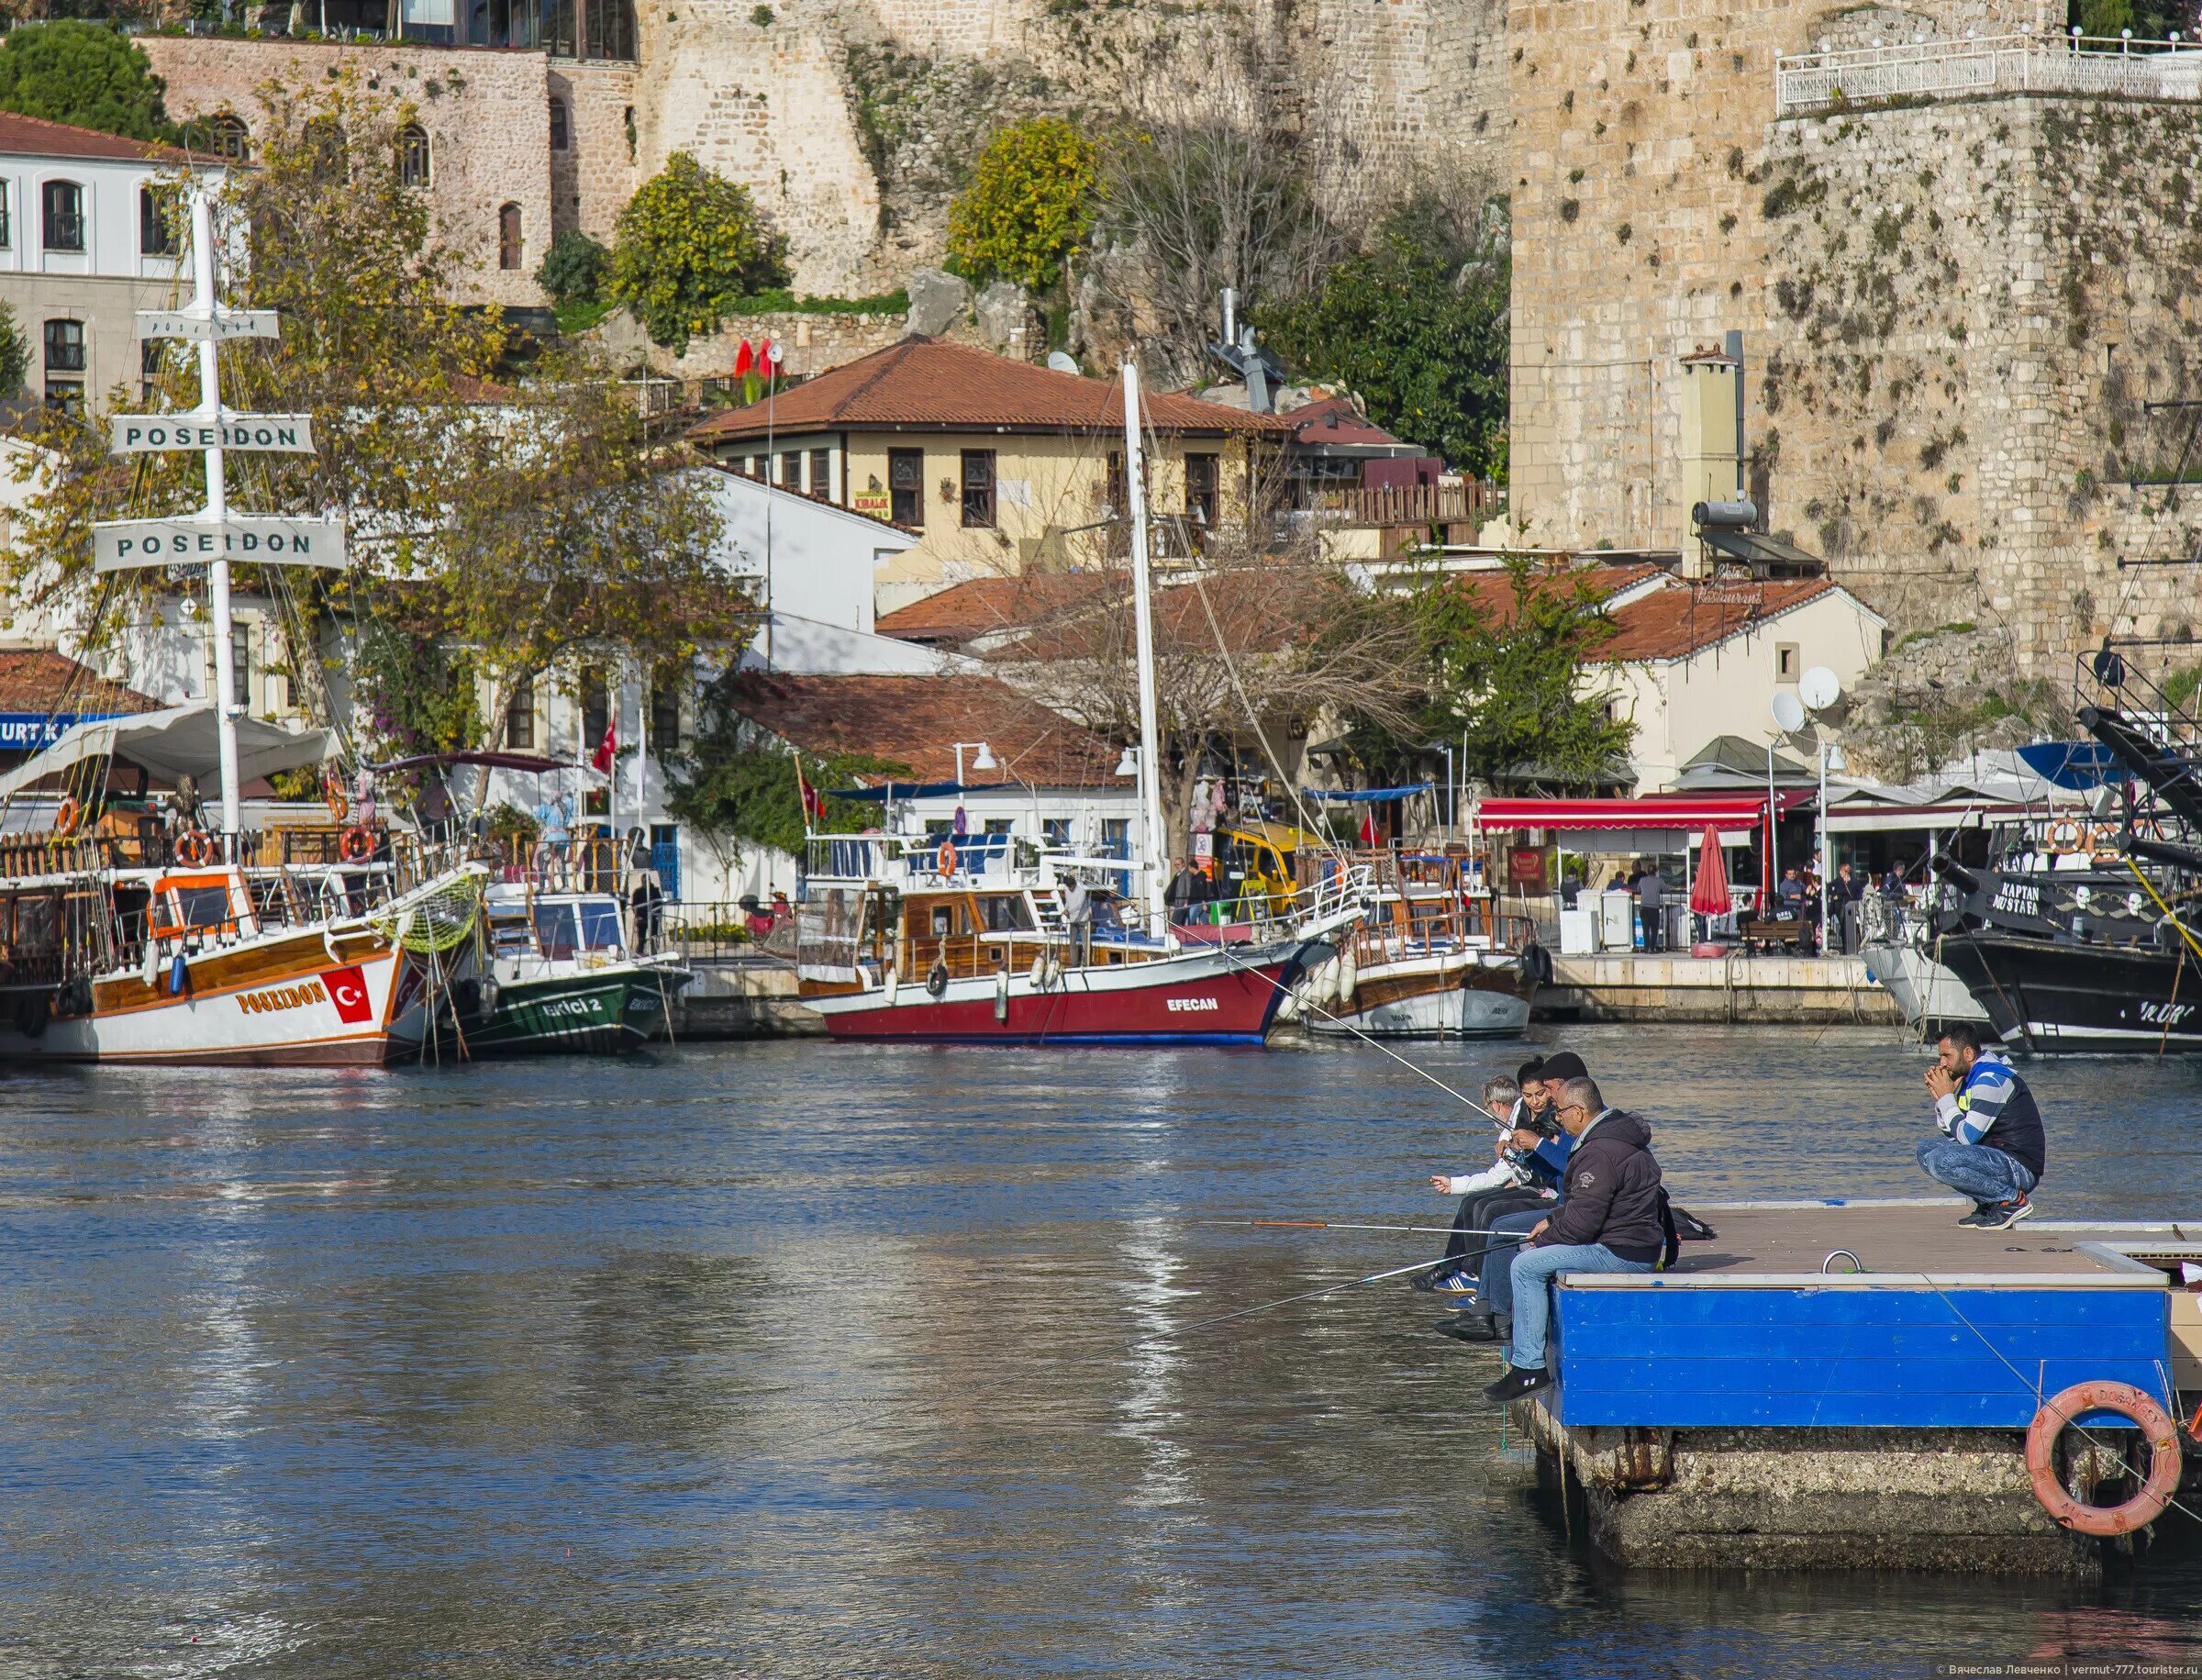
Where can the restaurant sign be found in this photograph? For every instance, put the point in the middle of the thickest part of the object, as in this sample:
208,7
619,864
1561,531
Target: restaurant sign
154,434
263,538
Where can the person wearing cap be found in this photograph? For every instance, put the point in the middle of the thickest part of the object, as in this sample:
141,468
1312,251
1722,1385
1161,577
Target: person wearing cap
1517,1180
1489,1318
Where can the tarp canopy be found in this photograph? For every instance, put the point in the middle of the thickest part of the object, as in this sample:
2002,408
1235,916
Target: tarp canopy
1737,810
1363,795
2077,764
179,741
917,790
487,760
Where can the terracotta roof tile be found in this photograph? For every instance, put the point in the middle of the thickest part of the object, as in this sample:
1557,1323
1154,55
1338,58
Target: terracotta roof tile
922,384
34,136
1334,421
1494,590
916,721
40,680
964,612
1674,623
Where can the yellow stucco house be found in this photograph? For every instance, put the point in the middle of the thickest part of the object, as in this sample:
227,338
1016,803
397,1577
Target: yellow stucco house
997,466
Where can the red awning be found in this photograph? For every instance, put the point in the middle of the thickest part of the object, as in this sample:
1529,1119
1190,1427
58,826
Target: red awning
1652,811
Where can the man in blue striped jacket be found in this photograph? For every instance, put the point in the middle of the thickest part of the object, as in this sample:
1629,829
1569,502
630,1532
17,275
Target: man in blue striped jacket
1991,1146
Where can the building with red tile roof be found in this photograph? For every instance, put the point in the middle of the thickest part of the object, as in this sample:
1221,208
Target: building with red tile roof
41,681
1001,467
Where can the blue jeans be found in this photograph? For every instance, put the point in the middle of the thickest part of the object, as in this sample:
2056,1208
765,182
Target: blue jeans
1533,1270
1987,1175
1494,1290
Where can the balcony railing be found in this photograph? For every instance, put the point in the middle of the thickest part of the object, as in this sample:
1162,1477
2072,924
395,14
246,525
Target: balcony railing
1946,68
1469,502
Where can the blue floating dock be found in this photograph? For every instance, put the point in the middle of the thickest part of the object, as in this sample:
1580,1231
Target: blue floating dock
1810,1334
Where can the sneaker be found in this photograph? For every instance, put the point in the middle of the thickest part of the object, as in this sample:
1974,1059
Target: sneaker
1454,1282
1979,1218
2005,1215
1471,1327
1518,1384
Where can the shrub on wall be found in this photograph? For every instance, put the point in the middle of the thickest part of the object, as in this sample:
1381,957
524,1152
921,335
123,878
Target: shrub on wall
1029,205
88,74
688,247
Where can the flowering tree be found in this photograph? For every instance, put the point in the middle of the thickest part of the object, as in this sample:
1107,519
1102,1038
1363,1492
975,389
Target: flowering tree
688,247
1029,206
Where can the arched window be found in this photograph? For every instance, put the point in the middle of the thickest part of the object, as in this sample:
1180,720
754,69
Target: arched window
562,132
62,204
225,135
412,155
509,237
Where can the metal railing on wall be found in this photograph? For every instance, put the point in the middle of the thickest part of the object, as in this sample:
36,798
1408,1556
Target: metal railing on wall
1947,68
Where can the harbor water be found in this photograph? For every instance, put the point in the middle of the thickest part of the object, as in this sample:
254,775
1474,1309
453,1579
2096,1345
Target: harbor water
793,1359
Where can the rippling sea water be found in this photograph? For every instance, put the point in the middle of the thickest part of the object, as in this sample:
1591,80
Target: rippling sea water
811,1359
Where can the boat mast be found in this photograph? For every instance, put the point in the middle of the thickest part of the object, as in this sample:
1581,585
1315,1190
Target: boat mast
218,508
1142,609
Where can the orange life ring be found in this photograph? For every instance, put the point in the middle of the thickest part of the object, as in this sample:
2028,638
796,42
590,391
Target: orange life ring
2156,1428
195,848
332,792
65,817
2067,835
947,864
356,846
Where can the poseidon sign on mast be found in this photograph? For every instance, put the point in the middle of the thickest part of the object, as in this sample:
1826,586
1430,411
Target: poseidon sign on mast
213,536
1143,618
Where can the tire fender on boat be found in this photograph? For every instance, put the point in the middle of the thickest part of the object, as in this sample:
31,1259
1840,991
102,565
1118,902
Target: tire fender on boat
2156,1429
936,981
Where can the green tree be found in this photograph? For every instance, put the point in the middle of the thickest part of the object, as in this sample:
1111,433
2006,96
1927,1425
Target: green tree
1504,669
505,522
1417,326
689,245
15,354
89,74
1029,206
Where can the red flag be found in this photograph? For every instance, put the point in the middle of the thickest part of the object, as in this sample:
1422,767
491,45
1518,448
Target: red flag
607,748
742,357
1368,828
814,802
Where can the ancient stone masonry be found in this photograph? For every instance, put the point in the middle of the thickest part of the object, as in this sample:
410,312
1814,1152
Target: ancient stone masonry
486,113
1971,305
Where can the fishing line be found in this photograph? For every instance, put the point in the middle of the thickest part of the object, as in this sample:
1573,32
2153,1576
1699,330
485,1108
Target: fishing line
1420,1231
1239,967
1373,1277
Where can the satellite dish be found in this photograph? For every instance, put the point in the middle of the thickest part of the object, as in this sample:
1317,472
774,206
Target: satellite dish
1788,712
1820,688
1061,362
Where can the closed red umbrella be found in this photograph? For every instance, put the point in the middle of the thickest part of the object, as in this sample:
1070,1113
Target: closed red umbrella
1709,892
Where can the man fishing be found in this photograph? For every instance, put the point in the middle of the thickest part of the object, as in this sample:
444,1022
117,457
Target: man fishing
1607,1220
1493,1296
1991,1147
1517,1180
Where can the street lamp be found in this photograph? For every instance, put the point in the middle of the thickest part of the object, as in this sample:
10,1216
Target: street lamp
1129,765
980,759
1452,797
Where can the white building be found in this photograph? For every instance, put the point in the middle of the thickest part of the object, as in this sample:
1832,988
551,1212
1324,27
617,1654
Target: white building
85,241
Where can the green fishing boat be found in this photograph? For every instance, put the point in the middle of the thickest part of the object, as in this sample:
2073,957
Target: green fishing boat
557,978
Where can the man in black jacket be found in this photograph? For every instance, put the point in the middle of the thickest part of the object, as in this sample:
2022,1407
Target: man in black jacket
1608,1221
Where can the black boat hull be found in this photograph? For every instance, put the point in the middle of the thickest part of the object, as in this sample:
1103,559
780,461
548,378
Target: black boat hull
2055,997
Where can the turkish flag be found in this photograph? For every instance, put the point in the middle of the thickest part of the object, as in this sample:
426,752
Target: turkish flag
813,803
601,760
347,988
1368,828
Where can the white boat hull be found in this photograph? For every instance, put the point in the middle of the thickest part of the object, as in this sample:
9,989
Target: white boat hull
1923,989
1473,995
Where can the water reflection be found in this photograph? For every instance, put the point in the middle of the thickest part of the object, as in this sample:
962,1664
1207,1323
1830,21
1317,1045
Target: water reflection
807,1360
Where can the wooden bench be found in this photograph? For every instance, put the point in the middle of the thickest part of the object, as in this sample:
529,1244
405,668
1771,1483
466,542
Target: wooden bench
1763,935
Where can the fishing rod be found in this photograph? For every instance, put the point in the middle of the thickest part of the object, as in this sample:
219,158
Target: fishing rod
1420,1230
1373,1277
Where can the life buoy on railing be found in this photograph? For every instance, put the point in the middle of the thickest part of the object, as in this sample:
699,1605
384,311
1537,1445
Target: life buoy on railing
195,848
356,845
2157,1487
2067,834
947,864
65,817
936,981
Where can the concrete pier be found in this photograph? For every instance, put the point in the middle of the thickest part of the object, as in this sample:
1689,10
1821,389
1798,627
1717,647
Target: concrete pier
745,999
1735,989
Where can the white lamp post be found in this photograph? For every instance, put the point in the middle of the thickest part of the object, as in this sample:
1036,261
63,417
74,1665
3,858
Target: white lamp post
980,759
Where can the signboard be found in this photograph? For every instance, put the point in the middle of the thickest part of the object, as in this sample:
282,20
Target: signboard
35,731
260,537
227,324
154,434
879,503
1526,867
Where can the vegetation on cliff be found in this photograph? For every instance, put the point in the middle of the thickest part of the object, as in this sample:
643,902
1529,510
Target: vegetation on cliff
689,245
1029,209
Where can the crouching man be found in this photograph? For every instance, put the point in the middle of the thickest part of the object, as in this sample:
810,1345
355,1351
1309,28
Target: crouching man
1607,1221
